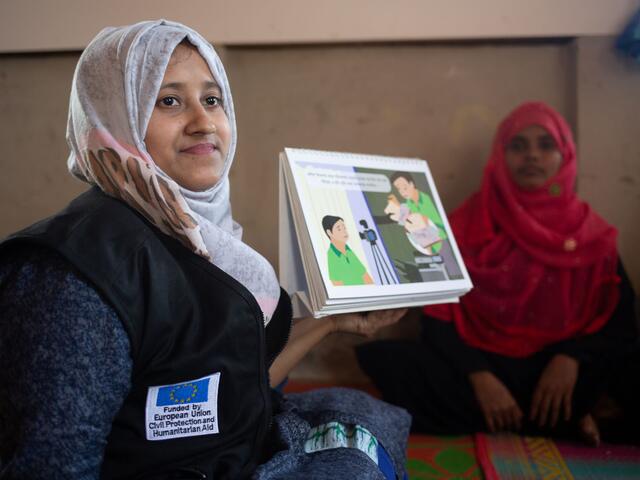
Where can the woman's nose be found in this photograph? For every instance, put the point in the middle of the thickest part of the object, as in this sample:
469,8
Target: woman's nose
200,122
532,153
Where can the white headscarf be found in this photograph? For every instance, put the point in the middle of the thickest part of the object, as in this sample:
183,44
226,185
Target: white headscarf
114,91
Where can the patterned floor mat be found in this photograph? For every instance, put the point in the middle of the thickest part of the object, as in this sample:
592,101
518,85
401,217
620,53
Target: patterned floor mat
442,458
510,457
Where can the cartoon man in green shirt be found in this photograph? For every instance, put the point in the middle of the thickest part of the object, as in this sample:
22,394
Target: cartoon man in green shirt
419,202
344,266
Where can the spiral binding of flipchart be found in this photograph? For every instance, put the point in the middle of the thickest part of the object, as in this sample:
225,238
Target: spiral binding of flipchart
404,161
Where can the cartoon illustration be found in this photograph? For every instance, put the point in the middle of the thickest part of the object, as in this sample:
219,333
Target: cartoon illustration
385,273
418,215
344,266
422,232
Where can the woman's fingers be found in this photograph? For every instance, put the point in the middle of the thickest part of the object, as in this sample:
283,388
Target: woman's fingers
553,394
513,417
400,312
488,417
567,406
499,408
516,418
536,401
545,406
548,407
499,421
368,323
508,418
557,404
384,318
394,315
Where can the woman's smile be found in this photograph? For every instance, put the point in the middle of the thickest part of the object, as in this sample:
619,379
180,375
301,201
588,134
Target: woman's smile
531,171
201,149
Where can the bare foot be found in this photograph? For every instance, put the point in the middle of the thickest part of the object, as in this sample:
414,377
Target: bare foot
589,430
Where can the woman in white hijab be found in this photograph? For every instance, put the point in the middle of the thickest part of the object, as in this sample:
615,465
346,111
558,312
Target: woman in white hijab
139,333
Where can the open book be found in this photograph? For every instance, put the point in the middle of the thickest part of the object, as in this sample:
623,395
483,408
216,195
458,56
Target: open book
363,232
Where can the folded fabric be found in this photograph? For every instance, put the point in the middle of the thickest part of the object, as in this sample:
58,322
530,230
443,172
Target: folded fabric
336,433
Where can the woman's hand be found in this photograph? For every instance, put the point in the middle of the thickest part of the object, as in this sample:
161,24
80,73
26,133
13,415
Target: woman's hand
554,391
500,410
366,324
308,332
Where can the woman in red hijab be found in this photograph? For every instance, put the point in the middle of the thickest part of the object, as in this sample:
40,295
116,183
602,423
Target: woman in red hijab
530,345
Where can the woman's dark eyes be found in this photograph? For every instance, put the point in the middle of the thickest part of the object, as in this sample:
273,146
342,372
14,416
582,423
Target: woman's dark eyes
517,146
520,146
213,101
169,101
210,101
547,145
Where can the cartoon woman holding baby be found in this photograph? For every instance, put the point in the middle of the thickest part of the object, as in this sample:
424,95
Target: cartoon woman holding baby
418,215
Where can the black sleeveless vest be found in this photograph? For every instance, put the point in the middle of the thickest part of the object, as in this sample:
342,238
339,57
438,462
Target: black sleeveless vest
186,320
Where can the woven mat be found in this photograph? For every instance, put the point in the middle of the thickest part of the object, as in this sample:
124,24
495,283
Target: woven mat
511,457
442,458
506,457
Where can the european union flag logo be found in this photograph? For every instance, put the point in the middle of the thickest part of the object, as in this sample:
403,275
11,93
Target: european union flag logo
190,392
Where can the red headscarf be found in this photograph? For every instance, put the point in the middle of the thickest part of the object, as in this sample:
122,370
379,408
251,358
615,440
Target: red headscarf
542,262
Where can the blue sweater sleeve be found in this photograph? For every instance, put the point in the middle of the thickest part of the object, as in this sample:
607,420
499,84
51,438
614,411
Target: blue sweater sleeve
65,369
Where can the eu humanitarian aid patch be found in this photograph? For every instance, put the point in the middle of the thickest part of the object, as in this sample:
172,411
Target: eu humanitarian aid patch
186,409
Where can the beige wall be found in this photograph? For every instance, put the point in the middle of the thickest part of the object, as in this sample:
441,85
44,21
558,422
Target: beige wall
47,25
608,126
437,102
440,102
33,115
